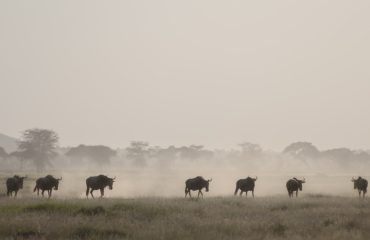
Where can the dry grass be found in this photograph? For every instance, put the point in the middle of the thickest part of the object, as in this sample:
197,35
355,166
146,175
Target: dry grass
310,217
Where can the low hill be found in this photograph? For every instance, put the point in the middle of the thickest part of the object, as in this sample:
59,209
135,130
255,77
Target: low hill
8,143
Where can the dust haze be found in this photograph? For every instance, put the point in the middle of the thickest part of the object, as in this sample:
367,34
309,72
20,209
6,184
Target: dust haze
156,92
162,171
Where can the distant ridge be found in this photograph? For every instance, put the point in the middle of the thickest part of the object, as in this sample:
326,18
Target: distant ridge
8,143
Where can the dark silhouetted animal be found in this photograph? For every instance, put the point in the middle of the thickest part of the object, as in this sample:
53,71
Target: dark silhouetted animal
361,185
245,185
13,185
46,183
293,185
98,182
197,183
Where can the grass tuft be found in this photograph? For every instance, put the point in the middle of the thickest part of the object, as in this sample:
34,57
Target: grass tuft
279,229
91,211
86,232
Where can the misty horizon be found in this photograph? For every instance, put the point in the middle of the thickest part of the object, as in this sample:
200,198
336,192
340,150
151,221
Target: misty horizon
207,73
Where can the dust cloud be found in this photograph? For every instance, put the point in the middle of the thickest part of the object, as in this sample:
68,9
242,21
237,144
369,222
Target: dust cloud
169,181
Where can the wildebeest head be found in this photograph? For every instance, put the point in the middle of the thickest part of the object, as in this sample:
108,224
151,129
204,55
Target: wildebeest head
356,182
56,183
207,184
110,183
300,183
20,180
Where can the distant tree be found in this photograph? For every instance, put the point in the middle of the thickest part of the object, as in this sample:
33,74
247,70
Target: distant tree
98,154
165,156
302,150
3,153
345,156
138,152
194,152
39,146
20,156
362,156
338,154
250,150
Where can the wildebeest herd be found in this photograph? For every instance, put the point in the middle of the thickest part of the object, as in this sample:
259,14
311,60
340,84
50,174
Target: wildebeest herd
48,183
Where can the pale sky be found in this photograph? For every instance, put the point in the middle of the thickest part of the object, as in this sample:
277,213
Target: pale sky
187,72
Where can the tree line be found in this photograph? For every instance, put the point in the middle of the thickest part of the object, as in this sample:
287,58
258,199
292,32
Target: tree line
40,149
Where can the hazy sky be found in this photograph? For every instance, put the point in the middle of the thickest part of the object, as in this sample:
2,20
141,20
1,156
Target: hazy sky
181,72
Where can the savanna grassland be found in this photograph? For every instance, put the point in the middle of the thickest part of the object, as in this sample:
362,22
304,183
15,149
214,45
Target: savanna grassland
308,217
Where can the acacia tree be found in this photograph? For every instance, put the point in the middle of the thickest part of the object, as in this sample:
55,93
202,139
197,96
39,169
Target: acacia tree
138,152
39,145
303,150
98,154
250,150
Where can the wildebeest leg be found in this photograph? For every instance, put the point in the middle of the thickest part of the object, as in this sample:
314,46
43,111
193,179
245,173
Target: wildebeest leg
42,192
200,192
91,192
186,192
101,192
241,193
253,194
15,194
189,193
296,193
359,193
87,192
38,191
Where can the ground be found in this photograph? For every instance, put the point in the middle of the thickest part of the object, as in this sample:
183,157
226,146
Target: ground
308,217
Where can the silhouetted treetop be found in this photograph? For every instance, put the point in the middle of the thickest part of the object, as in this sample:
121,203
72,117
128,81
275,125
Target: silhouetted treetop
99,154
39,145
302,150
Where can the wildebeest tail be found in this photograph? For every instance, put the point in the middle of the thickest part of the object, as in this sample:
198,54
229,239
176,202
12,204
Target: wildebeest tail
35,188
236,189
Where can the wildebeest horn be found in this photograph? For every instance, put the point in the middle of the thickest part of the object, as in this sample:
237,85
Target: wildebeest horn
256,178
304,179
210,180
60,179
353,179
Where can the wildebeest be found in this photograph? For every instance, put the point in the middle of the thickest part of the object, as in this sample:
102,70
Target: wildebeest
98,182
13,184
293,185
46,183
245,185
361,185
197,183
